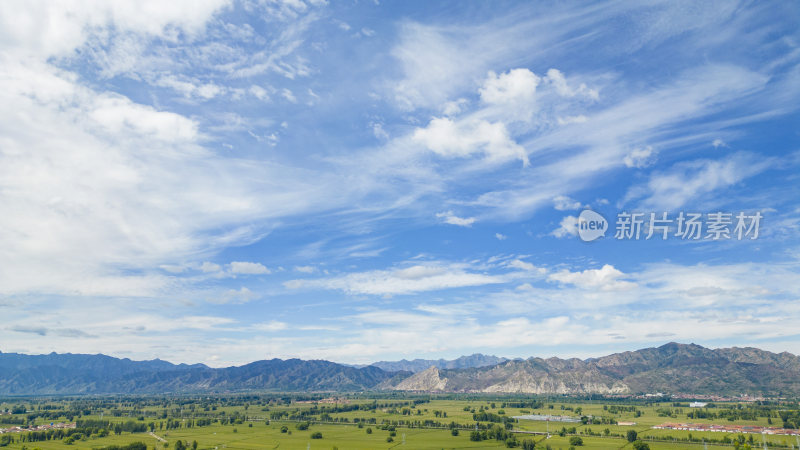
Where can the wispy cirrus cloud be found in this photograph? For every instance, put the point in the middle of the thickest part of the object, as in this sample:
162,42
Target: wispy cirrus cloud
691,181
404,280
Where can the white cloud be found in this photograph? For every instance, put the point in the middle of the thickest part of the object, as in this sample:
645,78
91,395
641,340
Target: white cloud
454,107
408,280
514,86
305,269
567,227
500,236
379,132
607,278
452,139
526,266
43,30
271,326
248,268
564,203
559,82
288,95
717,143
190,88
450,218
209,267
241,295
571,119
576,156
691,180
259,92
640,157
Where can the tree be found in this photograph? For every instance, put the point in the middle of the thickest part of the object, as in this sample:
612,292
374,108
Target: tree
528,444
576,441
454,431
194,445
369,430
316,435
639,445
631,435
284,429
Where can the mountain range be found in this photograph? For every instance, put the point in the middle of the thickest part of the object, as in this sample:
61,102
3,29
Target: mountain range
671,368
418,365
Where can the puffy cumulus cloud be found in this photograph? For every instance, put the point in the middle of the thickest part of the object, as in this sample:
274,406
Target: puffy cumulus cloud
564,203
640,157
567,227
248,268
460,139
514,86
408,280
606,278
693,180
450,218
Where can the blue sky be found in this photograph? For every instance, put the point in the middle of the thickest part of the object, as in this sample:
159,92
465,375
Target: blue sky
223,182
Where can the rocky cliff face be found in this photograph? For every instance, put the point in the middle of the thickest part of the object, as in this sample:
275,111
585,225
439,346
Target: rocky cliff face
428,380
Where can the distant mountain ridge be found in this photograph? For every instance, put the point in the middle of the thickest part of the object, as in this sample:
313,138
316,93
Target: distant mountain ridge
418,365
671,368
101,374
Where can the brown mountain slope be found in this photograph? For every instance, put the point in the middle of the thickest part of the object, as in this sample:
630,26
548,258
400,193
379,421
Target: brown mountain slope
671,368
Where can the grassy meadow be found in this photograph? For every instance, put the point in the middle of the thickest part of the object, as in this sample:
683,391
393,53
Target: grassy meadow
360,422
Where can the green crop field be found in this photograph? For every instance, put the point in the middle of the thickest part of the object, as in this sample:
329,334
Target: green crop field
289,421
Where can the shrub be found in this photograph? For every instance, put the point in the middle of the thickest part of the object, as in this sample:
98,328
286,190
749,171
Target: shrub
576,441
316,435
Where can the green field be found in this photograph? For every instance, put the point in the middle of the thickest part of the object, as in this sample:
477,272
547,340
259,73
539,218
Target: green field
418,422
